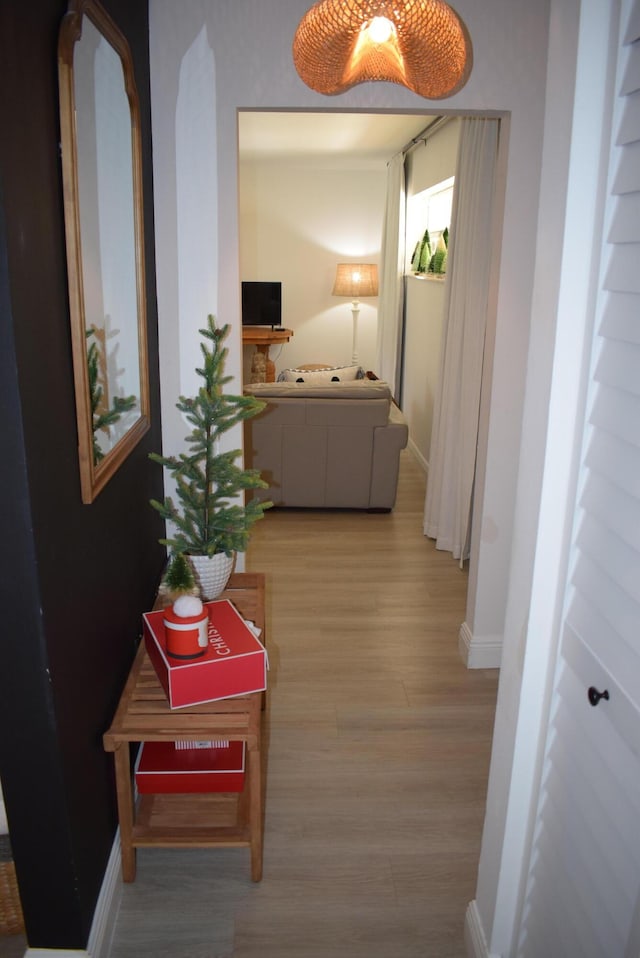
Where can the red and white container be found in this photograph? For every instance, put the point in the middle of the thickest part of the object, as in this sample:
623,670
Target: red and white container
186,636
234,662
162,768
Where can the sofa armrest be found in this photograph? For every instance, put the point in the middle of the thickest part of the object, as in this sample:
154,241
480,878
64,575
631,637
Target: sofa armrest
388,442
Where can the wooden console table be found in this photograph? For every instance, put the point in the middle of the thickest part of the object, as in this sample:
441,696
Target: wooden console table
143,715
262,337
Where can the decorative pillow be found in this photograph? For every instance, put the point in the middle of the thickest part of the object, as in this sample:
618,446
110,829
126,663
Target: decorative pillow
335,374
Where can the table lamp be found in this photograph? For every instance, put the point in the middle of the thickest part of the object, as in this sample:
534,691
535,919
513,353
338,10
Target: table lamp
356,280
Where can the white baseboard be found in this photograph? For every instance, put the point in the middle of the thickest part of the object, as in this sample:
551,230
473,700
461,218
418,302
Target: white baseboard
50,952
104,917
107,906
474,937
417,455
479,651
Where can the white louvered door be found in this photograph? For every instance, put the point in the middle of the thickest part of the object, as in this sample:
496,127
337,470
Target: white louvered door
582,898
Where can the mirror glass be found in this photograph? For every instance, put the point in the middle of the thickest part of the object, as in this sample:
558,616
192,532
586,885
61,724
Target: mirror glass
101,159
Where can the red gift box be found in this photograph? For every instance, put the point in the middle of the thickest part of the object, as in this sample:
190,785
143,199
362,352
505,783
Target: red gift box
234,663
164,769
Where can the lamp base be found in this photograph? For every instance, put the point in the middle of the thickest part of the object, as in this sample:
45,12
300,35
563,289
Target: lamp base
355,310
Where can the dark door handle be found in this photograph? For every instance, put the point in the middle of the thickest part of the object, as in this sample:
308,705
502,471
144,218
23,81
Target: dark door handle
595,696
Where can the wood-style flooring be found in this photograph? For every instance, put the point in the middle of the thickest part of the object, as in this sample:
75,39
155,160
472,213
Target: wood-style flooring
378,743
377,740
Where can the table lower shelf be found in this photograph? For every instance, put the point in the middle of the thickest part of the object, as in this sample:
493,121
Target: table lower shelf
190,820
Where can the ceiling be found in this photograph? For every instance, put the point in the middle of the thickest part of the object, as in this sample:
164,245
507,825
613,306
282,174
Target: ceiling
370,136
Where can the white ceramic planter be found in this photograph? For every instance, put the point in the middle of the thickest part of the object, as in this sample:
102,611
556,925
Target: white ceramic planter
212,573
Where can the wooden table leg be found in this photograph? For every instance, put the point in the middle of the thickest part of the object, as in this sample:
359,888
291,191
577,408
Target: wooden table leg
255,812
124,795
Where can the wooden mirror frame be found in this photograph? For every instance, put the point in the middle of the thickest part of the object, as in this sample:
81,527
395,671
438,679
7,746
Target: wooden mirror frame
95,475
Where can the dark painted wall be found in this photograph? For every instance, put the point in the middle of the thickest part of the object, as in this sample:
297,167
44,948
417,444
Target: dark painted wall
74,578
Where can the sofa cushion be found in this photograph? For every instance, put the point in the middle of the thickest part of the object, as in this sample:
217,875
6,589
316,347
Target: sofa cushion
332,374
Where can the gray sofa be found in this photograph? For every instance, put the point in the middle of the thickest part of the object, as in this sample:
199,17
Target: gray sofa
334,445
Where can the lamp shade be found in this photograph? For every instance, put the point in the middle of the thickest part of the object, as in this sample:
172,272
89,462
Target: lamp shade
356,280
420,44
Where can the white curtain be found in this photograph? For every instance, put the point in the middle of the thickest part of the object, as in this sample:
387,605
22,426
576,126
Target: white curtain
452,456
391,300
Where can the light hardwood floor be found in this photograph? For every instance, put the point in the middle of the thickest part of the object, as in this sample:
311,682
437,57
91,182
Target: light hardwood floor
378,742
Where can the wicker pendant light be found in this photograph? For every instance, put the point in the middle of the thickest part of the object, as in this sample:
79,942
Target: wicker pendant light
420,44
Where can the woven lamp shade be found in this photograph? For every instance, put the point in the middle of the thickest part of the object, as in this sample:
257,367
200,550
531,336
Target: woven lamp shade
420,44
356,280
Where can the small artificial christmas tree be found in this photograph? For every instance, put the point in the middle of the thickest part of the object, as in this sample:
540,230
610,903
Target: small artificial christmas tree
422,254
438,264
179,578
209,520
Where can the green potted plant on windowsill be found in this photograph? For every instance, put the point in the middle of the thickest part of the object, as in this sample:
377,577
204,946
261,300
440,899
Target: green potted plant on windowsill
421,254
209,524
438,261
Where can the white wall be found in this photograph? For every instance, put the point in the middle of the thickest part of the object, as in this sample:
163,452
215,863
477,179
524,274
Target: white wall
433,161
427,164
298,219
183,110
526,663
424,301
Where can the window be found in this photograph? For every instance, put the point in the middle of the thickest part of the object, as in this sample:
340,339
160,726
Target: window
429,212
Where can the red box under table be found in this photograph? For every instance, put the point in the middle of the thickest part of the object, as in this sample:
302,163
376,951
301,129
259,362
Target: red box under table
234,663
164,769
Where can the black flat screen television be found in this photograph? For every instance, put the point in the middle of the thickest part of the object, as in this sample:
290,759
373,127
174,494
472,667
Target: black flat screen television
261,304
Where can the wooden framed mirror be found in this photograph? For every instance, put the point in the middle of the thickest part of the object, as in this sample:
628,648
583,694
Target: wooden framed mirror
102,183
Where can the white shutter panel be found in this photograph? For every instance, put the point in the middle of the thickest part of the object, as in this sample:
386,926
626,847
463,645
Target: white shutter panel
583,890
